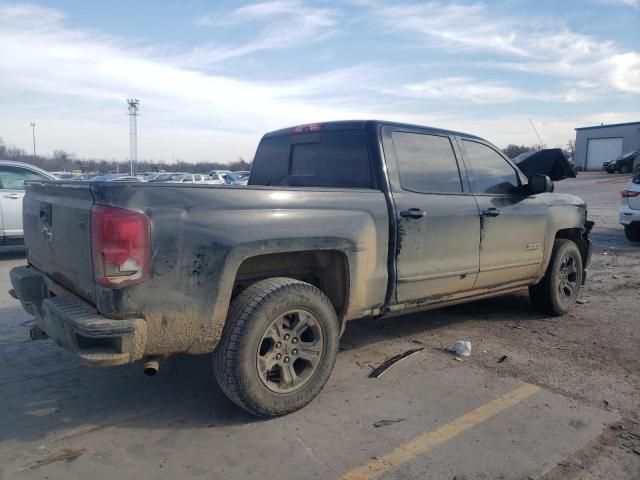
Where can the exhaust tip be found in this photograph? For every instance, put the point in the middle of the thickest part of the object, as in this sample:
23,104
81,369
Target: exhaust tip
151,368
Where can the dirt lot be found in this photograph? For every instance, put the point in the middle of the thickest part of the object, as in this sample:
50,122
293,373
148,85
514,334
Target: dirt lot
456,419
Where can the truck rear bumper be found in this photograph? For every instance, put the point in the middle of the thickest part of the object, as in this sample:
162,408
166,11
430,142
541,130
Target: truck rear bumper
76,325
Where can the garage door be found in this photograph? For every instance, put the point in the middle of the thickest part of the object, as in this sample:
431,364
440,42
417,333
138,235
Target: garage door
600,150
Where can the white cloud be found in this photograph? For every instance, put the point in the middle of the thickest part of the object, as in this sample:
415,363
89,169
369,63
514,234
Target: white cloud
88,76
525,44
469,90
74,82
628,3
279,24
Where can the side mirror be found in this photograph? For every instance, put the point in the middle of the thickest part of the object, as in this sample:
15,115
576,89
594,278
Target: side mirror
539,184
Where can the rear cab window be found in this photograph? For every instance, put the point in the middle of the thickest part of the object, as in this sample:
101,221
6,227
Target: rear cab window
426,163
319,156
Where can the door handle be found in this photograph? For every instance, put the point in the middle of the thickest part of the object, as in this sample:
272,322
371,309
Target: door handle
12,195
491,212
413,213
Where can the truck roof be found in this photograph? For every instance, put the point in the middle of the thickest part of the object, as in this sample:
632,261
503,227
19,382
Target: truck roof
357,124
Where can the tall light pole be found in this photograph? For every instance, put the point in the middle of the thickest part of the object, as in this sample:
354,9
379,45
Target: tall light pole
133,134
33,133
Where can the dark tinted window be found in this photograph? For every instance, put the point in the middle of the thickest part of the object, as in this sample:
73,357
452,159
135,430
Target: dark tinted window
426,163
333,158
14,177
491,172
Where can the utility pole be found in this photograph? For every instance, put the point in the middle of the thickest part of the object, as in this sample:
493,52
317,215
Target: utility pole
33,132
133,134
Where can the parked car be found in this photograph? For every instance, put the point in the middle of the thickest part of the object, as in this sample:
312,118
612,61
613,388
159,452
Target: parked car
65,175
341,220
12,178
218,176
548,161
189,178
236,178
630,208
168,177
116,178
629,162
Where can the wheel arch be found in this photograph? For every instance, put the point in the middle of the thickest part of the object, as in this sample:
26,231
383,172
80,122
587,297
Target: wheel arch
327,270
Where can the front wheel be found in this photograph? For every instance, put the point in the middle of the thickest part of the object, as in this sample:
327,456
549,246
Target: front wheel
560,286
278,347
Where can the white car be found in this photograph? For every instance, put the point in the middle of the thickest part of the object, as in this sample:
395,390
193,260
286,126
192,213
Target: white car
630,208
12,178
217,177
190,178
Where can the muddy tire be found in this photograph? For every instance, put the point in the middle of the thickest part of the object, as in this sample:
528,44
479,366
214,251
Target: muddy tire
278,347
632,232
560,286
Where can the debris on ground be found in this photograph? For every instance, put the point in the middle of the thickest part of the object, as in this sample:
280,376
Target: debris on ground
462,348
384,423
65,455
581,301
502,358
390,362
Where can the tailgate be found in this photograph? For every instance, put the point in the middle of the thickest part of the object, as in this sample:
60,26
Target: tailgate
57,233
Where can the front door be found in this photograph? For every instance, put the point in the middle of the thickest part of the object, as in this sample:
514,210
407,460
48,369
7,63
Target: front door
438,221
513,224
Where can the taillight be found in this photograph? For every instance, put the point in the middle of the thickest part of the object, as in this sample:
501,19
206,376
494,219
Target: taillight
120,246
629,193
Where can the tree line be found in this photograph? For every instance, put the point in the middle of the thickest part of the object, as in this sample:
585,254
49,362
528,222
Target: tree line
61,161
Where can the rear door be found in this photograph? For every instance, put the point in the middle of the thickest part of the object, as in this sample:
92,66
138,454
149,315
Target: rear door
438,219
12,178
513,225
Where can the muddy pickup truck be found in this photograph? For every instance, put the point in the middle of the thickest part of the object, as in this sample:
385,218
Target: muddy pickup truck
339,221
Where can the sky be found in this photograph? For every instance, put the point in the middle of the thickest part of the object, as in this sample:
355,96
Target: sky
213,76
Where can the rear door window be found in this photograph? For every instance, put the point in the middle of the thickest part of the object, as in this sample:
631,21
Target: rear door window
332,158
427,163
492,173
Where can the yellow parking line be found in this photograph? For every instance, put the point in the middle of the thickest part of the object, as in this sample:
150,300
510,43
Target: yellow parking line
427,441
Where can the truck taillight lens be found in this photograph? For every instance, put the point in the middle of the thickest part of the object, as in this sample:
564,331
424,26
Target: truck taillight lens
629,193
120,246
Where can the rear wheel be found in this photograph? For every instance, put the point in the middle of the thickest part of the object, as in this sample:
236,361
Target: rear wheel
632,232
559,288
625,168
278,347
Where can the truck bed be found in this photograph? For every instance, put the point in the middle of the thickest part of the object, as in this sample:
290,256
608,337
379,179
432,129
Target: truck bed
200,233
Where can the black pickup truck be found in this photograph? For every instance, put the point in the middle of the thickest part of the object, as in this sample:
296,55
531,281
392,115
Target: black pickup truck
340,220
